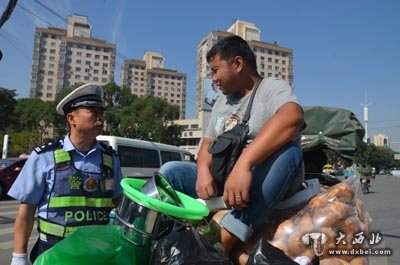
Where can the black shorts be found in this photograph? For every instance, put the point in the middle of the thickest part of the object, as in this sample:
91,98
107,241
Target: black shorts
40,247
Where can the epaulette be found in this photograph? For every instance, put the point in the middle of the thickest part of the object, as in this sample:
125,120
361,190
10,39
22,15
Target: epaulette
49,147
108,148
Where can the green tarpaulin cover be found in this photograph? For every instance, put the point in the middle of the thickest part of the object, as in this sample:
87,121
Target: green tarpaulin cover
331,128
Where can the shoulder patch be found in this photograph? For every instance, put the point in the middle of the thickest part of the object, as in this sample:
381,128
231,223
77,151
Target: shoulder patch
49,147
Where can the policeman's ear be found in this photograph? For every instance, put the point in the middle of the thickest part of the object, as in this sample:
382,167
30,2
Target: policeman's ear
71,117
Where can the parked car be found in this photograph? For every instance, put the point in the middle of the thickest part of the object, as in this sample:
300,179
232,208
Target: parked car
9,170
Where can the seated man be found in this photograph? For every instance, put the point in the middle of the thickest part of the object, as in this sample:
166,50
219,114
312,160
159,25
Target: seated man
270,167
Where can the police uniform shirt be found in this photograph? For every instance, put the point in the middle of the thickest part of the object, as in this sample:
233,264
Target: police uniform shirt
37,176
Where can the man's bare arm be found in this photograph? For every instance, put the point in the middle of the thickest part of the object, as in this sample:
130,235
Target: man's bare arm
23,226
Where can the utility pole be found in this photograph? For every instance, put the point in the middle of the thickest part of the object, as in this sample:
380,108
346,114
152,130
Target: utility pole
365,105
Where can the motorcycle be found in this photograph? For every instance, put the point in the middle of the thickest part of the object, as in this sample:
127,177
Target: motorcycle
365,184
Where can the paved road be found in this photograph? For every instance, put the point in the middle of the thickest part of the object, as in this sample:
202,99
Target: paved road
8,211
383,205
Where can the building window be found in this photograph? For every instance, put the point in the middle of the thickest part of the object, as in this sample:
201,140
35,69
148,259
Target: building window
105,57
88,55
78,61
96,56
276,60
79,54
96,63
78,69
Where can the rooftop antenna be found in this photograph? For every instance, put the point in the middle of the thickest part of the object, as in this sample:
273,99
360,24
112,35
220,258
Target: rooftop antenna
365,105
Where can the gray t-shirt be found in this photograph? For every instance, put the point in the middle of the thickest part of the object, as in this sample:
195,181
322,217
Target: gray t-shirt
271,94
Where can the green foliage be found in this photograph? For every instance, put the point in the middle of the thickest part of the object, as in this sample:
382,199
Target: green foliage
148,118
7,106
20,142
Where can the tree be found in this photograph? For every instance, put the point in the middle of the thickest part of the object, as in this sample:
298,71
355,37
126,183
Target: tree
35,114
7,107
150,118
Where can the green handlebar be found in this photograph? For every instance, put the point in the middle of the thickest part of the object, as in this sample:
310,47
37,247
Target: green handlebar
191,209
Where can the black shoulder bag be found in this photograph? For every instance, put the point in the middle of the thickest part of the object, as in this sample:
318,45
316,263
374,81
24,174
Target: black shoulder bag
226,149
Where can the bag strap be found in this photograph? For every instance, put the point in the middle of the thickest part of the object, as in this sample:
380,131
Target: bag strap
246,116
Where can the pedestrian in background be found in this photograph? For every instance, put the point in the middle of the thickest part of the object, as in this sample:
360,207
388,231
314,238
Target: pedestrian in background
72,183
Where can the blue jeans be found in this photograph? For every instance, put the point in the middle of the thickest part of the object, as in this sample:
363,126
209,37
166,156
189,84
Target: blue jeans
276,178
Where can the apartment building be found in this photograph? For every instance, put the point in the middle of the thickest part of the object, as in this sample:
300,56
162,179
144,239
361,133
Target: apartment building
381,140
272,59
149,77
64,57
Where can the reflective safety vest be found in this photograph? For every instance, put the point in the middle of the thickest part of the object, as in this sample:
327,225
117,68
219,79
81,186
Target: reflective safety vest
78,198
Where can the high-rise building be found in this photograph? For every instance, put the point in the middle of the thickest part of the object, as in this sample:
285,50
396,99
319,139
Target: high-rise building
381,140
149,77
272,59
64,57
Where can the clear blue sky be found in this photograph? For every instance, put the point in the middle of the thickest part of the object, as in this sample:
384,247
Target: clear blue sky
343,50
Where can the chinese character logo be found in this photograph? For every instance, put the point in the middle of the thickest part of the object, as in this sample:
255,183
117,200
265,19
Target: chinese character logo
74,182
316,241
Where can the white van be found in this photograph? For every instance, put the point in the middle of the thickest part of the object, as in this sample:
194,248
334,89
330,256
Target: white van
140,159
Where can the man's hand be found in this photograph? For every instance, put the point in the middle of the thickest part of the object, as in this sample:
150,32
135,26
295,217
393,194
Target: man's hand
237,186
205,186
20,259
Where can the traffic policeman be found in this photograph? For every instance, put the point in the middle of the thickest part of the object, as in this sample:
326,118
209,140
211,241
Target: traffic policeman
72,183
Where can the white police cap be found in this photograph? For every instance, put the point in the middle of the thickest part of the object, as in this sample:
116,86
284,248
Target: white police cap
89,95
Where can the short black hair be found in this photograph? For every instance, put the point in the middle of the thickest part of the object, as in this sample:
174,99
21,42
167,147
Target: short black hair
230,47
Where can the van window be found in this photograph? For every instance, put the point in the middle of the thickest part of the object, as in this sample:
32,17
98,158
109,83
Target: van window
138,157
167,156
